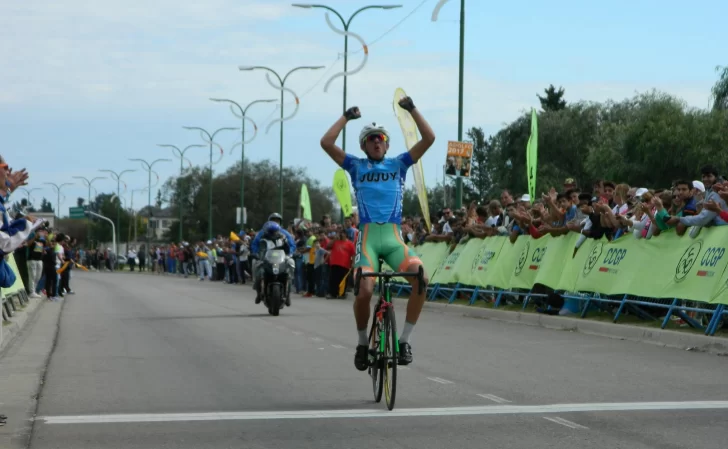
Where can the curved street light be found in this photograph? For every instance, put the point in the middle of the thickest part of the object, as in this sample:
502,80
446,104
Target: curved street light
282,82
211,141
243,117
58,193
181,154
117,177
29,191
345,24
148,166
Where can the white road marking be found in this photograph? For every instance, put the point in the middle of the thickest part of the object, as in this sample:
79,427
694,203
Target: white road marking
297,333
316,339
494,398
338,347
439,380
403,367
379,413
322,348
565,422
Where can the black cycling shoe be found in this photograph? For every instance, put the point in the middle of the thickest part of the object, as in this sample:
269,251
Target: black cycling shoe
361,359
405,353
258,298
288,300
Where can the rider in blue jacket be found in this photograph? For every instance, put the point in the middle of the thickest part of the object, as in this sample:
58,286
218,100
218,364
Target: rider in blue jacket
273,232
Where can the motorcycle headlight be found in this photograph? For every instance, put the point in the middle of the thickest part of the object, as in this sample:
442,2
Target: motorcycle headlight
275,269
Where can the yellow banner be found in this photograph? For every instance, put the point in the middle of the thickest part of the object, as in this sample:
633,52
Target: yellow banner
342,190
409,129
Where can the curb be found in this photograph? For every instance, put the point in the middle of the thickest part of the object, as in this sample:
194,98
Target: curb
18,321
660,337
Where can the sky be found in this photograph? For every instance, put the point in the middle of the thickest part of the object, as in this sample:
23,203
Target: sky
86,85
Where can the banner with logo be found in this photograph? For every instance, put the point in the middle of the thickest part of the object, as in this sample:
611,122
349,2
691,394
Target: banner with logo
342,190
305,203
459,155
667,266
409,129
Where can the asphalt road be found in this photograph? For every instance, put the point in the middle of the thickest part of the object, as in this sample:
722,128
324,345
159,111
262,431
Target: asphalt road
147,361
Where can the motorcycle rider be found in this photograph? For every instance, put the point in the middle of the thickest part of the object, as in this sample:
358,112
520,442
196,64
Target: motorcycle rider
274,237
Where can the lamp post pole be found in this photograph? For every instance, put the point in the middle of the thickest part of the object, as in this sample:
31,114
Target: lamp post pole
282,82
148,166
117,177
345,24
211,142
243,117
58,193
88,183
181,154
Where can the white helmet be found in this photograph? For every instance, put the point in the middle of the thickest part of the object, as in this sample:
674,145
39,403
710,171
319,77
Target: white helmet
372,129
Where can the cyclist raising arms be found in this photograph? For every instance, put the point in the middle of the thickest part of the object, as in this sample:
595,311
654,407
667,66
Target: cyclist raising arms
379,184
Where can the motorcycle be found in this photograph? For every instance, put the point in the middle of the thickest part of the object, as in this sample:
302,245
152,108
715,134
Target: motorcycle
277,278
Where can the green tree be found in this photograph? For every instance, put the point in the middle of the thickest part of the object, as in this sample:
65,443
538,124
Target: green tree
480,170
554,99
45,206
261,197
720,90
80,201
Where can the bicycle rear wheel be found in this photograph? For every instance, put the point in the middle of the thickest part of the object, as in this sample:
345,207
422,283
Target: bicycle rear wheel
375,366
390,358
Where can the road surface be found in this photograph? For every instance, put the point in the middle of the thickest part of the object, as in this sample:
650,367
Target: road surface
145,361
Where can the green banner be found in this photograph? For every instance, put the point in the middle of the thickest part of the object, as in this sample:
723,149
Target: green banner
532,156
18,285
305,203
342,190
667,266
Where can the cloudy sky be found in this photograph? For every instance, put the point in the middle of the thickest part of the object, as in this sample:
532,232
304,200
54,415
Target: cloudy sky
86,85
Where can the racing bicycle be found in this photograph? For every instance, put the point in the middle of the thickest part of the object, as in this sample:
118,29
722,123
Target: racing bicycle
383,338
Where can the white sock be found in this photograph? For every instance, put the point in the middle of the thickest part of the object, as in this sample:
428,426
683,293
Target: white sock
363,337
408,328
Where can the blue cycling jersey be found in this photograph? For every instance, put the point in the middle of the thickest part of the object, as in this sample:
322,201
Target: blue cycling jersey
379,187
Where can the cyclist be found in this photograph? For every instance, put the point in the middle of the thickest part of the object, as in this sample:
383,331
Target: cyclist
274,237
379,184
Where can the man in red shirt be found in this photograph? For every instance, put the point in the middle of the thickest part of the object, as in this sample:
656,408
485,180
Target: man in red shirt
340,257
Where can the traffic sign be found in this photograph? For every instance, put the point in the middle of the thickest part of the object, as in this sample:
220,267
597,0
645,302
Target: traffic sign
76,212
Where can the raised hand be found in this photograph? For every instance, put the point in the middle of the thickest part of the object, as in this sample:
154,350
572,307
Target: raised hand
352,113
406,104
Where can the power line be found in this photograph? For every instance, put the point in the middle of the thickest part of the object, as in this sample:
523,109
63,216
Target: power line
391,29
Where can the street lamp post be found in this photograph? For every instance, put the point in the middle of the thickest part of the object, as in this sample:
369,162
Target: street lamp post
134,211
181,155
345,24
88,183
58,192
148,167
461,83
117,177
211,142
243,117
29,191
282,82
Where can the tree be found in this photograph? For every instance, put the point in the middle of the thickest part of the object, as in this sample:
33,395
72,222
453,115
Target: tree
554,99
45,206
158,202
80,201
261,197
720,90
479,168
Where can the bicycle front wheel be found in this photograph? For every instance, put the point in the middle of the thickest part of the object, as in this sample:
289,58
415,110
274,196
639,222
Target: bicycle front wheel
390,358
376,362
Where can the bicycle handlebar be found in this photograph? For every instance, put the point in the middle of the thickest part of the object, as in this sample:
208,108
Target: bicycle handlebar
420,275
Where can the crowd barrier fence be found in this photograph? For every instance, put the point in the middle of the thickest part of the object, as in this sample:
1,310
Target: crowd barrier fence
680,276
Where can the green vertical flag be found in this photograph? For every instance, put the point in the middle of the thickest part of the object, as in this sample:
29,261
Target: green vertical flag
305,203
532,156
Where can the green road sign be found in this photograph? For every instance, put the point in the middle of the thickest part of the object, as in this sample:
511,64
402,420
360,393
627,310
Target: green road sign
76,212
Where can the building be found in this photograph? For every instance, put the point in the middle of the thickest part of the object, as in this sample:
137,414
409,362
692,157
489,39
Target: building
160,220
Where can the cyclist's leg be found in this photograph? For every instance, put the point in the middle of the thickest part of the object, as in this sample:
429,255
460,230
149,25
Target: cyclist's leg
404,259
366,258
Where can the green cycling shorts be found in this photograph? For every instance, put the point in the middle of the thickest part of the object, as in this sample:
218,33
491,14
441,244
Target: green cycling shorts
383,240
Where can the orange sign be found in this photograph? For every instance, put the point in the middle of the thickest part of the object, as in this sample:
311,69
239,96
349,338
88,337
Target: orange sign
459,155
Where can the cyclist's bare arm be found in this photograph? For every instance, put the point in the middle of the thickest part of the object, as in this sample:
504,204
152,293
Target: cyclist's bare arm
428,136
328,141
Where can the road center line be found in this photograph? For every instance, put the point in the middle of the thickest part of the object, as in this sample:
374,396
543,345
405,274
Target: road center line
440,380
379,413
565,422
337,346
494,398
